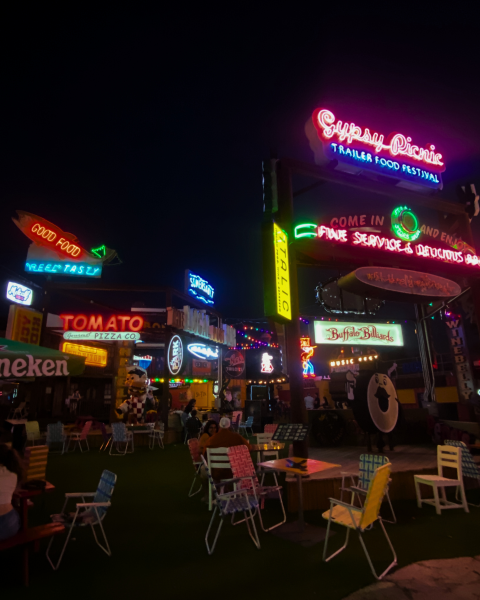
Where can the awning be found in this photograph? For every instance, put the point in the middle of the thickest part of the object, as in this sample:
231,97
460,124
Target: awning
19,361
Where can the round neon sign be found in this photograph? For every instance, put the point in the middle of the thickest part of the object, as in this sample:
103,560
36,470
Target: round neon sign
175,355
405,224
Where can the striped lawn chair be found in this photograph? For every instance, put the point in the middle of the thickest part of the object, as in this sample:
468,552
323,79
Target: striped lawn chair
36,462
56,435
87,513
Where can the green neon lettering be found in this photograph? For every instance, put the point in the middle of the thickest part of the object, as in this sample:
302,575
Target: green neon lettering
304,230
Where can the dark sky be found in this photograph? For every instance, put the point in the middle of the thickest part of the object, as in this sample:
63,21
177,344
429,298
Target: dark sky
145,129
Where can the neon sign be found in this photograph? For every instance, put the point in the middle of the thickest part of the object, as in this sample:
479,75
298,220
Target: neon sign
63,268
101,251
266,366
199,288
203,351
307,353
81,322
282,274
102,335
324,121
96,357
391,245
175,355
405,224
358,334
19,293
422,165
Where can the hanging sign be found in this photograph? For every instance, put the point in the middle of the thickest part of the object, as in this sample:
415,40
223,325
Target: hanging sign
307,351
19,293
386,244
199,288
96,357
461,358
175,355
398,284
24,324
234,364
55,252
203,351
358,334
198,322
395,155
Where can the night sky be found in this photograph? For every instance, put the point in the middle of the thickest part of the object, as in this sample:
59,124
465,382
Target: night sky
145,130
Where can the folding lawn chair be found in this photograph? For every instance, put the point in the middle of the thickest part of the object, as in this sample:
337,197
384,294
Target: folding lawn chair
217,458
78,438
231,503
194,447
120,435
245,425
56,436
469,466
87,513
156,434
359,519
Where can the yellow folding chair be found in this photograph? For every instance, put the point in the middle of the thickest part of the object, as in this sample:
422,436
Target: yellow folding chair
358,519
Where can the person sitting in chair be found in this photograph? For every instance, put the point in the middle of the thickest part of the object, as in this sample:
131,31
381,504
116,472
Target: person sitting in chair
11,473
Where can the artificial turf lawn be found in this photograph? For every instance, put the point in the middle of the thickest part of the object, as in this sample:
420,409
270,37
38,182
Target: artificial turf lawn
156,534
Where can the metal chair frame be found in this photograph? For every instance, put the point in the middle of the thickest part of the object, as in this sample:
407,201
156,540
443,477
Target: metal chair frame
128,440
366,516
77,438
229,503
246,425
156,435
197,465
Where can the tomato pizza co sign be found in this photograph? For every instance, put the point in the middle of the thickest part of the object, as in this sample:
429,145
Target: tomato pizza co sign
358,334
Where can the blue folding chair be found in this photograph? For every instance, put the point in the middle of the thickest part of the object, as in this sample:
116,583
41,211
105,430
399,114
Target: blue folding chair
120,435
246,425
87,513
56,436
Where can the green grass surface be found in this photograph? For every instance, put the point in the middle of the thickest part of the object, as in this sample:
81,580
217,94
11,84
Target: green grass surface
156,534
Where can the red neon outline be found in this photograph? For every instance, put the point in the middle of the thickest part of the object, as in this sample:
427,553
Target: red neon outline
96,322
397,144
75,325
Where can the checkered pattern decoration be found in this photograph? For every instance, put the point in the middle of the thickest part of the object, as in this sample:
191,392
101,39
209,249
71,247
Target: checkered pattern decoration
242,466
369,463
119,432
270,428
469,466
55,433
136,406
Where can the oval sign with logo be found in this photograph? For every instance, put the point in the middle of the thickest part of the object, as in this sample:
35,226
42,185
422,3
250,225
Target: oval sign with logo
175,355
203,351
234,364
398,284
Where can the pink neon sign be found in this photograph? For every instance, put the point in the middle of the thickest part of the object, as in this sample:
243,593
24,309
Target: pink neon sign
397,143
394,245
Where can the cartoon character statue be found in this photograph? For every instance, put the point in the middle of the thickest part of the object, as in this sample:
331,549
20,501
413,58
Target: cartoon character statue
134,406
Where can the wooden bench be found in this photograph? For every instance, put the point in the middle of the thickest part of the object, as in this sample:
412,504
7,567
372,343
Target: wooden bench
31,537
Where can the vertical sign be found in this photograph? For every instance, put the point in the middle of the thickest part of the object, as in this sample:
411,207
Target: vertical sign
282,273
461,359
24,325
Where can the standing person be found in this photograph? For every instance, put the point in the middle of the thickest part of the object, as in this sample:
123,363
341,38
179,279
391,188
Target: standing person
316,402
209,430
11,474
309,403
193,425
187,410
75,402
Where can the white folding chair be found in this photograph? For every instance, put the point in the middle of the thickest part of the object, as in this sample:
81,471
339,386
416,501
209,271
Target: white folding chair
217,458
156,435
120,435
447,456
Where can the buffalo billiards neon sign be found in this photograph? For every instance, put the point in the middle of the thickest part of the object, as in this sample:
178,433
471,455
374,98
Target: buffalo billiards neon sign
395,155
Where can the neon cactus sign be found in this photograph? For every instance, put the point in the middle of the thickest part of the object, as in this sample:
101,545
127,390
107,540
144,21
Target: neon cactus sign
395,155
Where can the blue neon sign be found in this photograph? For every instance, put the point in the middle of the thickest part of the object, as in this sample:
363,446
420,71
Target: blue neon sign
384,166
81,269
199,288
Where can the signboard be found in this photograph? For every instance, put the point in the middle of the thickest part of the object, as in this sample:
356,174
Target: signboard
358,334
198,322
55,252
307,351
199,288
386,244
101,335
19,293
293,432
282,273
461,358
394,156
101,323
398,284
96,357
234,364
264,363
203,351
175,355
24,325
201,368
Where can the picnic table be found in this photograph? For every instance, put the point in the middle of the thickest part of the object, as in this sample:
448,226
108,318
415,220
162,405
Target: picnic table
24,495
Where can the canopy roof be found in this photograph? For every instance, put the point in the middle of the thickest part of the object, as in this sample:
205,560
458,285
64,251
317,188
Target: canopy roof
19,360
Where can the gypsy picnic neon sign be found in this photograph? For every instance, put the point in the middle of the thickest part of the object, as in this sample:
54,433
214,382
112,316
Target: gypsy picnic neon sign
400,145
382,243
